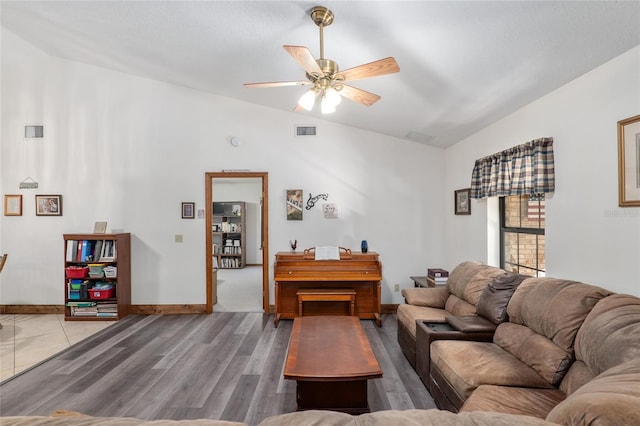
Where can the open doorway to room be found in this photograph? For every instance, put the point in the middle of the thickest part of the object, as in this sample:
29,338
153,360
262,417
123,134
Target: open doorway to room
246,287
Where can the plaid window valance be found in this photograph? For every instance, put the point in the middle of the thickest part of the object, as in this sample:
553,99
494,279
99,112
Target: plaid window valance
523,169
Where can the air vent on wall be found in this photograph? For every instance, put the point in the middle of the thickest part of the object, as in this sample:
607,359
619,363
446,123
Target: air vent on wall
305,130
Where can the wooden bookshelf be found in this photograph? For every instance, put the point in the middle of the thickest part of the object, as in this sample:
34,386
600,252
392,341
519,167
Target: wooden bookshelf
229,234
83,302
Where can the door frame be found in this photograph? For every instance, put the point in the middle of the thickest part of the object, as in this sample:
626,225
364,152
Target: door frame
264,209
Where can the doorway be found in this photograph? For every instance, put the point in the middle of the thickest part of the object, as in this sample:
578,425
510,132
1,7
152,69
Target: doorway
263,234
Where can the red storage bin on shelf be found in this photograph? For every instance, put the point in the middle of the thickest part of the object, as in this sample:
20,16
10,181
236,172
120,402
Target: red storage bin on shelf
101,294
77,271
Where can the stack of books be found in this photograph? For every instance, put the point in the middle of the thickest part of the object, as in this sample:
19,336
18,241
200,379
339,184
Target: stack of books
437,276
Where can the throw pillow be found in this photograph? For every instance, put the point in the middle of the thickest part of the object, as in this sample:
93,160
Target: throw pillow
495,297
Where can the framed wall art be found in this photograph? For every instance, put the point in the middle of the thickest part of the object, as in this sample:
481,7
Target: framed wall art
188,210
294,204
629,162
462,199
13,205
48,205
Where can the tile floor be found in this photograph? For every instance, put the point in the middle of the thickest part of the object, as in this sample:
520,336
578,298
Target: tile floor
25,340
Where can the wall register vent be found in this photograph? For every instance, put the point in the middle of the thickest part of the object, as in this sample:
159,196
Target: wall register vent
306,131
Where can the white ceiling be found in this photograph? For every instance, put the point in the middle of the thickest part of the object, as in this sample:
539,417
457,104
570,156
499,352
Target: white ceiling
463,64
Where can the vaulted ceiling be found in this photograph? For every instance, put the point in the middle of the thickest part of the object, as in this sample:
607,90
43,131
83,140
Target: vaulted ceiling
463,64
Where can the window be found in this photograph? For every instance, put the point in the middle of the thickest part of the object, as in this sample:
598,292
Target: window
522,221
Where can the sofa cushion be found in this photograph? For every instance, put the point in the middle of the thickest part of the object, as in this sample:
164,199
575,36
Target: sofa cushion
460,275
408,314
495,297
513,400
401,417
610,334
535,350
467,365
430,297
543,313
478,283
460,307
554,308
612,398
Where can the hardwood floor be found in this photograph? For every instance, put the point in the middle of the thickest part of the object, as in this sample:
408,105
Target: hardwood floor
222,366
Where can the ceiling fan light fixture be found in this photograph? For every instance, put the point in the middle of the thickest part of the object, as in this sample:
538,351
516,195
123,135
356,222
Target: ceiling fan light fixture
327,106
333,96
308,99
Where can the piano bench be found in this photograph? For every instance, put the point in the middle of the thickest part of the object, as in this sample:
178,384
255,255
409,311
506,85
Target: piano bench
327,295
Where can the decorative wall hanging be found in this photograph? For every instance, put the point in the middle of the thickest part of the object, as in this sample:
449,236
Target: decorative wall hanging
13,205
28,183
462,201
294,204
311,202
330,210
629,162
48,205
188,210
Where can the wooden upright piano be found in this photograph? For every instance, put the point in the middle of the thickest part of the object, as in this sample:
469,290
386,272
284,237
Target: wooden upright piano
361,272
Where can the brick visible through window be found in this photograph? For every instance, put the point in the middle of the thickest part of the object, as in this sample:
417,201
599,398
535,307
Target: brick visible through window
522,234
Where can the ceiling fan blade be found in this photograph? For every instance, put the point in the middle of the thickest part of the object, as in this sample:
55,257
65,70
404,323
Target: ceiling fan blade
359,95
372,69
303,56
277,84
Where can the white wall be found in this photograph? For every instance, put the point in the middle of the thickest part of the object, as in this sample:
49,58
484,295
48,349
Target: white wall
588,237
129,150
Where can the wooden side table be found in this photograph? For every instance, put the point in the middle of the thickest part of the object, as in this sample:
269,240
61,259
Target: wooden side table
420,282
327,295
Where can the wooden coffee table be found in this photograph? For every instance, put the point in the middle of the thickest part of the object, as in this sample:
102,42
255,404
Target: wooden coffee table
331,360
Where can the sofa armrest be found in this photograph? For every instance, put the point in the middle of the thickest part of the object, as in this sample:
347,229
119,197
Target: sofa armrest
433,297
471,324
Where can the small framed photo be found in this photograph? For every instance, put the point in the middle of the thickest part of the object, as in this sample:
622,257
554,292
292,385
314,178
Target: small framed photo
188,210
629,162
13,205
100,228
48,205
462,199
330,210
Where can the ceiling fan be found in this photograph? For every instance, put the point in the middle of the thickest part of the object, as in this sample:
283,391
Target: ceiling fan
326,80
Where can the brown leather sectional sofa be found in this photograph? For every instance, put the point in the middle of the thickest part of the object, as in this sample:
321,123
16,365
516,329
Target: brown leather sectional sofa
562,350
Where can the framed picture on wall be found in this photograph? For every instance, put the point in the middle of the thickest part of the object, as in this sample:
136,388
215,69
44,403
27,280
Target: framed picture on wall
13,205
462,199
48,205
294,204
629,162
188,210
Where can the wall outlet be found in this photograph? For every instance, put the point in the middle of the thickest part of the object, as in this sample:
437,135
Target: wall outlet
179,238
396,287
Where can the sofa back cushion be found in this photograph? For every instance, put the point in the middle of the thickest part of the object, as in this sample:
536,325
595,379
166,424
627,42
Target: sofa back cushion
609,336
612,398
495,297
553,307
465,285
544,317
